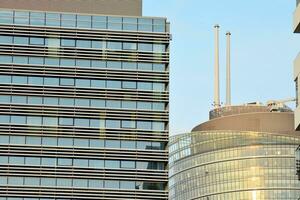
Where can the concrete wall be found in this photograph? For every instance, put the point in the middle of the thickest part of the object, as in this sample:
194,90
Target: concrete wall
105,7
272,122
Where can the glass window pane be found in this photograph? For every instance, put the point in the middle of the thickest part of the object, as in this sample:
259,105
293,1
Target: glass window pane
19,99
65,142
34,120
144,125
66,121
114,84
112,184
49,141
36,61
3,159
17,139
128,164
49,161
68,42
52,42
63,182
96,123
98,44
6,39
128,185
50,121
98,64
4,139
97,103
129,65
51,81
158,67
52,61
35,81
81,142
114,45
67,81
158,86
128,124
50,101
128,144
129,104
129,85
19,79
82,122
143,145
96,143
97,83
64,162
113,144
145,66
144,86
112,164
160,126
96,164
145,47
66,101
95,183
159,48
81,163
48,181
129,46
84,43
113,123
81,183
5,99
113,104
4,119
82,102
65,62
15,180
18,160
83,63
32,161
33,140
144,105
114,65
6,59
36,41
18,119
83,83
158,106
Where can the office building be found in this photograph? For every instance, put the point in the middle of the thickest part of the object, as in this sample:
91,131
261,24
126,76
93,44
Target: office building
243,152
296,28
84,92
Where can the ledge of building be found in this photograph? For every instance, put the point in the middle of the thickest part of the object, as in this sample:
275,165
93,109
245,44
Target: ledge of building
102,7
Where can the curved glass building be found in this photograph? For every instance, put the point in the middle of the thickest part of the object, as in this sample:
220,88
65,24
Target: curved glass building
247,153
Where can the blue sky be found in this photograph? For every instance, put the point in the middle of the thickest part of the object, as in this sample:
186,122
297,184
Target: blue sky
263,50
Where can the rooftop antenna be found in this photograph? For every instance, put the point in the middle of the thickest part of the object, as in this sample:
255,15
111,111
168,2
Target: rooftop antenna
228,71
216,76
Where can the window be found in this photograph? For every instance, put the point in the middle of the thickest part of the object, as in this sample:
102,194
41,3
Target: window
51,81
48,182
33,140
81,142
68,20
114,45
67,62
6,39
95,183
96,163
130,23
19,99
113,123
112,144
36,41
158,106
145,24
5,99
53,42
35,100
143,145
129,104
98,64
65,142
129,65
34,120
144,86
129,85
52,61
96,143
84,43
36,60
52,19
159,126
97,84
63,182
18,119
82,102
67,81
158,67
17,139
50,121
66,121
20,60
4,160
129,46
50,101
5,59
96,123
83,83
144,105
144,47
114,65
145,66
128,144
114,84
113,104
81,183
32,161
84,21
159,48
68,42
4,119
82,122
19,79
49,161
114,23
81,163
83,63
18,160
35,80
4,139
99,22
66,101
128,164
129,185
98,44
15,180
128,124
49,141
144,125
157,145
158,86
112,184
112,164
64,162
97,103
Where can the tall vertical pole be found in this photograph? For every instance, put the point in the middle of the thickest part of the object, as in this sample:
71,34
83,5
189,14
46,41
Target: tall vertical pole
228,70
216,76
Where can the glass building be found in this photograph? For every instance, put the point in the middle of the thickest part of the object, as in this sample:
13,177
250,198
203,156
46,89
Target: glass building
215,162
84,104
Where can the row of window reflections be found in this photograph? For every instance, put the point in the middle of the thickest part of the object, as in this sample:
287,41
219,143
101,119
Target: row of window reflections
79,183
85,163
81,63
81,122
81,83
80,142
81,102
94,44
82,21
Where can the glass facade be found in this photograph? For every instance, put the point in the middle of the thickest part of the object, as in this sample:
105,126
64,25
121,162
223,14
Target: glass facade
84,106
219,165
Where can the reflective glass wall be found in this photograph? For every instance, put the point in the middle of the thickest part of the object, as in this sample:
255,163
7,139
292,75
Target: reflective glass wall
233,165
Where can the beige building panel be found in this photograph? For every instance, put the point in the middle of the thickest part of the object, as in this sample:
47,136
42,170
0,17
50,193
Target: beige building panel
104,7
